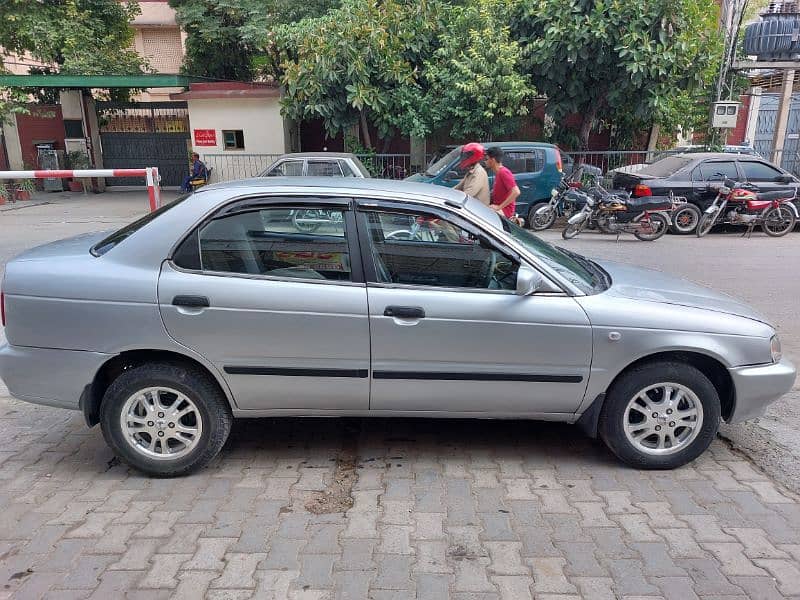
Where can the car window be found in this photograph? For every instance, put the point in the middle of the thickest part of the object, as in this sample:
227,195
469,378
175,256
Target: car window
346,170
308,243
440,165
524,161
422,249
757,171
715,171
286,168
324,168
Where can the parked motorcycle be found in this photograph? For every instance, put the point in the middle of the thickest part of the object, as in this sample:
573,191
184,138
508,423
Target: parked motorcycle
647,217
565,200
741,204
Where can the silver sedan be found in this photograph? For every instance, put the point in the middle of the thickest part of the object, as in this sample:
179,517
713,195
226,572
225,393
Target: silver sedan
334,297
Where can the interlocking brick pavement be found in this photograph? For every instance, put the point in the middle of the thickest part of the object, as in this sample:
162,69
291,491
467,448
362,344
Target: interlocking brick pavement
441,508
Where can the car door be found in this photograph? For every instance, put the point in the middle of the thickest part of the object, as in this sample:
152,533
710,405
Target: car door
708,175
448,332
281,312
765,176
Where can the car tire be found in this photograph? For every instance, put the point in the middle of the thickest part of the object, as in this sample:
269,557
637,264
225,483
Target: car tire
685,219
631,431
169,400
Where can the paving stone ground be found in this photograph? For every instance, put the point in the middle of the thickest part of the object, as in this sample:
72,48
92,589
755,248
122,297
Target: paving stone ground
442,509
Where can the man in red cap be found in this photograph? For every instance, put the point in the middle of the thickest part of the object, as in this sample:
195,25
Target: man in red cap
476,181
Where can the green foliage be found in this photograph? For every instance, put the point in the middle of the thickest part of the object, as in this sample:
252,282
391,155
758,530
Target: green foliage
361,61
76,160
26,185
475,85
231,39
87,37
12,102
617,58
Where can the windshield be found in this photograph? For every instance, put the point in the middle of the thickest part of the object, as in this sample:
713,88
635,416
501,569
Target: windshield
444,162
579,271
120,235
666,166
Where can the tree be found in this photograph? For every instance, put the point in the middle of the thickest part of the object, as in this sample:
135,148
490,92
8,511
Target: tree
87,37
360,63
231,39
617,58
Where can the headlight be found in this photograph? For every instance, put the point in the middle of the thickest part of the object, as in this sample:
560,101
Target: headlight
775,348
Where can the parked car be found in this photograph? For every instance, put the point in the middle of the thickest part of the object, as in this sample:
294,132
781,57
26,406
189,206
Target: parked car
537,167
317,164
411,300
697,176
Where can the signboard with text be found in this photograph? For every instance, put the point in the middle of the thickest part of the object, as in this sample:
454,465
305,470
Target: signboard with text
205,137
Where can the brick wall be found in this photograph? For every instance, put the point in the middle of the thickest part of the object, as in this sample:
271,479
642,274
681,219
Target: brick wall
44,124
737,134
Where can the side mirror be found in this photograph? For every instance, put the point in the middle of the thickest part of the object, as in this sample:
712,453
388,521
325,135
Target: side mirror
530,281
451,175
783,179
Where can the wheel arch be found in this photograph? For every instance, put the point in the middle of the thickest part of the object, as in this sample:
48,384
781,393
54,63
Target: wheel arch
93,393
711,367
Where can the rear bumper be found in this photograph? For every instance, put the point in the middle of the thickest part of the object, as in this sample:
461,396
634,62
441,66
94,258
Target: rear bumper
47,376
759,386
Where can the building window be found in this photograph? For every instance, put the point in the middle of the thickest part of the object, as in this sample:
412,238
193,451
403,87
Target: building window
233,139
73,128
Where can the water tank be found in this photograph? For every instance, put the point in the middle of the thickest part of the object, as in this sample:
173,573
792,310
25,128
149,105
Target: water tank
777,35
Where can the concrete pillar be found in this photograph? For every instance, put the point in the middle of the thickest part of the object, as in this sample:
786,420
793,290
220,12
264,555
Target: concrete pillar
782,121
92,127
13,146
752,115
418,147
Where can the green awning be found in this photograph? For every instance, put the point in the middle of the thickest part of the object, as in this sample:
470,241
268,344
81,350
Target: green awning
145,80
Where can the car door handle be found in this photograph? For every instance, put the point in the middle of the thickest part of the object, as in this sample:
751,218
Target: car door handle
191,301
404,312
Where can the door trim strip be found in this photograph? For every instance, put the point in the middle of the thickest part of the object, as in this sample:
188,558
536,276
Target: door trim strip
296,371
445,376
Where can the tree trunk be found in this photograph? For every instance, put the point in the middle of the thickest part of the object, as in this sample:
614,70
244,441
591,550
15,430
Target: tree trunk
365,130
586,126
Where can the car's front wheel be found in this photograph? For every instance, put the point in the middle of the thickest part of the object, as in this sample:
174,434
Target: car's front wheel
660,415
165,420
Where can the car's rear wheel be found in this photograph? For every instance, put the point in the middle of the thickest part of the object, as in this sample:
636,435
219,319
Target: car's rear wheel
685,219
165,420
660,415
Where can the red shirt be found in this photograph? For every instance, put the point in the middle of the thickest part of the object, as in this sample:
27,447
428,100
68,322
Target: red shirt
504,182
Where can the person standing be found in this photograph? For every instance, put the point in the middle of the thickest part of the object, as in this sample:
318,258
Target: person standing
505,190
476,181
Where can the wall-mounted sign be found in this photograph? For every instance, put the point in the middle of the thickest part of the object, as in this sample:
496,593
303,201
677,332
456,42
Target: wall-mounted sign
205,137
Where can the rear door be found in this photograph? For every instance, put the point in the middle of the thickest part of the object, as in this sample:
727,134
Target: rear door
709,175
527,165
281,312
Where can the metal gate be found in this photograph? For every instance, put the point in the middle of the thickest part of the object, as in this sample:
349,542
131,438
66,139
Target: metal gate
765,129
142,134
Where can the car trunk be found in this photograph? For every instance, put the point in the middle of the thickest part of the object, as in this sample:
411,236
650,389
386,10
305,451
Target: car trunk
627,181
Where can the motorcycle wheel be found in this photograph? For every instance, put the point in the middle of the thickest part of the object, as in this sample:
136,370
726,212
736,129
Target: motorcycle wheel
685,219
573,229
542,217
778,221
705,224
658,225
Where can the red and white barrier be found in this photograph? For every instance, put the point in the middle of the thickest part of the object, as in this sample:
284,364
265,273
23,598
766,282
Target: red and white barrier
150,174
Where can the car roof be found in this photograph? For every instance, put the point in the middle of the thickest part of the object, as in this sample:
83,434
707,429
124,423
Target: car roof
504,145
317,155
344,185
720,155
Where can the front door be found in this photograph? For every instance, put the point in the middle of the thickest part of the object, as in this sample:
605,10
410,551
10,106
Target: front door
449,334
278,306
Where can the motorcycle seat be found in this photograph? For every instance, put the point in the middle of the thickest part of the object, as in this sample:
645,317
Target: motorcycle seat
649,203
779,195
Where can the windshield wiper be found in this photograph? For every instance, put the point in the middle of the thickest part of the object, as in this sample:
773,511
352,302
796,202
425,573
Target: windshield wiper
599,274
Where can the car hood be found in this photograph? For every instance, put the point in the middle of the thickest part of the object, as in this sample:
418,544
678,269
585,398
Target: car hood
78,245
637,283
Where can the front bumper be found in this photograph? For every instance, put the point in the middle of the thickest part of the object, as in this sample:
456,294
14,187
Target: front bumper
47,376
759,386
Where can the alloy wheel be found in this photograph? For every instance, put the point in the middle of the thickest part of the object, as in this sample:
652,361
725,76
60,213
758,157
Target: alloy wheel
663,418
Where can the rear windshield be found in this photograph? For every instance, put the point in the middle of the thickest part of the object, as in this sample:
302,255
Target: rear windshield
120,235
666,166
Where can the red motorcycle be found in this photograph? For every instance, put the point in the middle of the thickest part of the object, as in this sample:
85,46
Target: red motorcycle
739,204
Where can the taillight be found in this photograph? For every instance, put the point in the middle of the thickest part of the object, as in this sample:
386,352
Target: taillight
3,309
559,164
641,190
